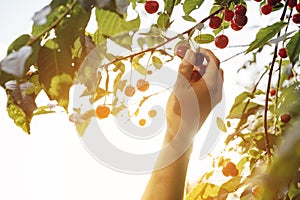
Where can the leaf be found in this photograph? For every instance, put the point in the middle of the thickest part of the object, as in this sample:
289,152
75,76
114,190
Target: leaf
293,47
119,84
100,92
163,21
59,89
169,6
188,18
157,63
264,35
236,111
81,127
14,63
232,185
139,68
221,125
204,38
190,5
18,43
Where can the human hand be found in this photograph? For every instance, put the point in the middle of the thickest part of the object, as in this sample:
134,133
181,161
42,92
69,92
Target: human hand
190,103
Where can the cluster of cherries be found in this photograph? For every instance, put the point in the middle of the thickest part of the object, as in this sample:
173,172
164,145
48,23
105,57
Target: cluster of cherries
268,8
237,19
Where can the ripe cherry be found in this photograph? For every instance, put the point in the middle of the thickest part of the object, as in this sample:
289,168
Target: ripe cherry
181,50
151,6
283,53
240,10
129,90
240,20
228,15
102,112
234,26
292,3
221,41
258,0
298,7
273,92
285,118
142,85
296,18
272,2
195,76
142,122
266,9
230,169
215,22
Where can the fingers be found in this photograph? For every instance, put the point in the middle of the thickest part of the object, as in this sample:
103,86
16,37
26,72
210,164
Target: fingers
186,68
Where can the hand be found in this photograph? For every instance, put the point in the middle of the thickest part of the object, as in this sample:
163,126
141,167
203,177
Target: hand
190,103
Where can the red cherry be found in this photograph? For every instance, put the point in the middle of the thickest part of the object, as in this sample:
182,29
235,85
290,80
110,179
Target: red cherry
258,0
215,22
102,112
234,26
283,53
272,2
296,18
221,41
285,118
240,10
228,15
151,6
292,3
266,9
298,7
181,50
273,92
240,20
195,76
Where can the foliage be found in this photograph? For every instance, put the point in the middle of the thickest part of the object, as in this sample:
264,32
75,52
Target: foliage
49,59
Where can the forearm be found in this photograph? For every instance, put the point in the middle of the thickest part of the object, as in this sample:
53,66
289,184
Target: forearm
168,183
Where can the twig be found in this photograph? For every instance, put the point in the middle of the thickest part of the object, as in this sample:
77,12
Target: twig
55,23
267,141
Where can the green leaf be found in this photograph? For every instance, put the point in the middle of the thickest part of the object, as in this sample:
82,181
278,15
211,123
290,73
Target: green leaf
190,5
81,127
163,21
59,89
169,6
237,111
264,35
204,38
188,18
18,43
139,68
293,47
254,153
221,125
157,63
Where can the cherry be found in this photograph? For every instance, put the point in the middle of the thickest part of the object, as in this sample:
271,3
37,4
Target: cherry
215,22
221,41
258,0
142,122
102,112
285,118
272,2
230,169
240,10
234,26
266,9
283,53
292,3
195,76
129,90
296,18
152,113
142,85
228,15
199,59
298,7
181,50
240,20
273,92
151,6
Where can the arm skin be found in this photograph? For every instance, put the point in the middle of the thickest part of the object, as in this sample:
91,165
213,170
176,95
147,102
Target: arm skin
168,182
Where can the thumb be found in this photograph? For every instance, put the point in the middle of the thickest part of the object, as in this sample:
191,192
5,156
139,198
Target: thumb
186,67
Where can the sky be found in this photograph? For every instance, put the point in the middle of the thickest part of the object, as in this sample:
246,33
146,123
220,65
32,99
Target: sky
52,163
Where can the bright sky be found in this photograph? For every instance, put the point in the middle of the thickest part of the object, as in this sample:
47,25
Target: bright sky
52,163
